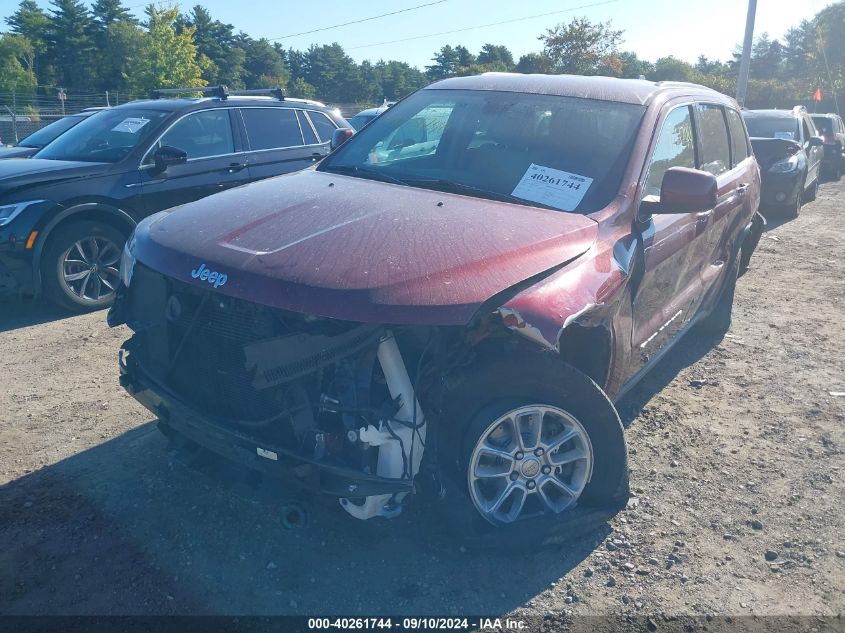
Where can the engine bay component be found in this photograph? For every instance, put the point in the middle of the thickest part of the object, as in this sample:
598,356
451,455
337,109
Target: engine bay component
400,440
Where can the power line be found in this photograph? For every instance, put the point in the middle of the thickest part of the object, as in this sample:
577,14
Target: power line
484,26
375,17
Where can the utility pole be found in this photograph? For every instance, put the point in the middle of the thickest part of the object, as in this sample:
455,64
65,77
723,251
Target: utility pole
745,63
15,113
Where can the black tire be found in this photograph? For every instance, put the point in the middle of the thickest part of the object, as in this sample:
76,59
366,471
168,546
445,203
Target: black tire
836,171
718,321
811,192
53,259
493,387
794,210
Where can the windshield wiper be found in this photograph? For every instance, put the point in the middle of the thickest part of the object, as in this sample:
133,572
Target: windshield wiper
449,186
364,172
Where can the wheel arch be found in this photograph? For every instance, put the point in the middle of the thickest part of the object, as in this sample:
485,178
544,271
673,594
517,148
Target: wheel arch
91,211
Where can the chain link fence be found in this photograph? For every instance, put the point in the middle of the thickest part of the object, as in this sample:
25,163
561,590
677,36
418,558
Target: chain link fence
21,114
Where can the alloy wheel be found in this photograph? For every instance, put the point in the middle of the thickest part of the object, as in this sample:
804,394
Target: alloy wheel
531,461
89,269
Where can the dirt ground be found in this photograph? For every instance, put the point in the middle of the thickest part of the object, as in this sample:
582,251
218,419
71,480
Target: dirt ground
736,451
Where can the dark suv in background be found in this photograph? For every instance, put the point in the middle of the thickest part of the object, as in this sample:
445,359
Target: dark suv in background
30,145
789,151
832,131
66,212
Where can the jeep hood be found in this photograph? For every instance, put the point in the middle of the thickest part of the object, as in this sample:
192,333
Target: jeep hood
359,250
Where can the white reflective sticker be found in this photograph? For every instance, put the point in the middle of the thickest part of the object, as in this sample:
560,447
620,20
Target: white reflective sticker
262,452
552,187
788,136
130,125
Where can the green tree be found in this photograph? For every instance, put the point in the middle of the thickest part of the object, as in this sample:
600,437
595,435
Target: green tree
264,66
673,69
446,63
535,63
170,57
333,73
16,64
583,48
301,89
465,58
31,22
633,67
70,45
117,39
217,42
495,56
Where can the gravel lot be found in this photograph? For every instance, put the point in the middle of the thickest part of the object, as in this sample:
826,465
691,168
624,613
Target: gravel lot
737,472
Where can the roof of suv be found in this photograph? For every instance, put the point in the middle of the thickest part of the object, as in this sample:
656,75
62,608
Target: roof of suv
636,91
769,114
232,100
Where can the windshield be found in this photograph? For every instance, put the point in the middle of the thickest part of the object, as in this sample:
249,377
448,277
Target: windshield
49,132
824,124
556,152
785,127
105,137
360,120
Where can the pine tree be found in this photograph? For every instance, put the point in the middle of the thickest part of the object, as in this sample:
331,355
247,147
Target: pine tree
70,46
116,38
31,22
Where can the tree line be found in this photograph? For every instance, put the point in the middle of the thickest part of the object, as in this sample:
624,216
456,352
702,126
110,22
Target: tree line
107,48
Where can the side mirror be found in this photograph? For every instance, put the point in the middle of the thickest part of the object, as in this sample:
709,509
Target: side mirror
686,190
816,141
340,136
167,156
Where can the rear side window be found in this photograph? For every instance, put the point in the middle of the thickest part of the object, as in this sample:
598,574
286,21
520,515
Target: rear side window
739,144
713,139
307,131
675,148
271,128
324,126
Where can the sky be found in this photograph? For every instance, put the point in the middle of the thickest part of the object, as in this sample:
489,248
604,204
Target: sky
652,28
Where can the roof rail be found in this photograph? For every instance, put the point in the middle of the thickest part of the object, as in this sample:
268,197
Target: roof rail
276,93
221,92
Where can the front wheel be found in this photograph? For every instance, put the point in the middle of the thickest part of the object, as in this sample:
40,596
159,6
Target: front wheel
532,446
812,191
80,265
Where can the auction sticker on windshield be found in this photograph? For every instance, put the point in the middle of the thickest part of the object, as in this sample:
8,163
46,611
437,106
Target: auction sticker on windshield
552,187
130,125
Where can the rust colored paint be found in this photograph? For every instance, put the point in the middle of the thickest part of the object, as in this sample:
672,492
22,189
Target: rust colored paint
374,252
360,250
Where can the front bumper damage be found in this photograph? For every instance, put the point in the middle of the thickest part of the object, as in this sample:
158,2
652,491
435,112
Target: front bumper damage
175,417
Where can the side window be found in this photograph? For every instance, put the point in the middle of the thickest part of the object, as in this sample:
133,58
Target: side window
202,134
809,130
739,143
271,128
675,148
323,124
307,130
713,139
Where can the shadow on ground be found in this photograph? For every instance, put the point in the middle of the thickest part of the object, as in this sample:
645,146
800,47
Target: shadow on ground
18,313
123,528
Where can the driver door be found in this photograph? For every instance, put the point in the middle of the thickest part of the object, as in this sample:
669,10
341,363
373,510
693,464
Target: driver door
213,164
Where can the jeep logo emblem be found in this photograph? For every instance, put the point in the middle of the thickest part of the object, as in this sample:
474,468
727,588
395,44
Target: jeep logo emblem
214,278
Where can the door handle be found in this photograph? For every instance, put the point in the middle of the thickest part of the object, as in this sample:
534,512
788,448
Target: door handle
235,167
742,189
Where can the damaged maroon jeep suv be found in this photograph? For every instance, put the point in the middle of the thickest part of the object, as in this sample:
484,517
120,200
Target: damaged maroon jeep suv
452,300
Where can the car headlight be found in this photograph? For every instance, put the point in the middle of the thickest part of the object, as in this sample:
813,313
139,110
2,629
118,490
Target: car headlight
785,166
9,212
127,261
